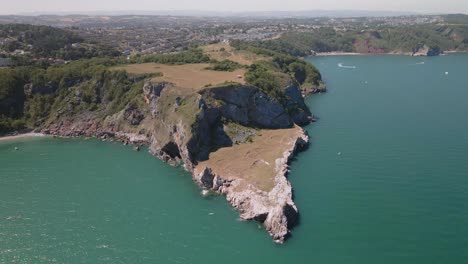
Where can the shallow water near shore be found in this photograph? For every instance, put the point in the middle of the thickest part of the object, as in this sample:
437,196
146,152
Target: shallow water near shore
398,193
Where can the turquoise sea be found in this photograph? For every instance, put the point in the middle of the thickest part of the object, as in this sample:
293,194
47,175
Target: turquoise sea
398,193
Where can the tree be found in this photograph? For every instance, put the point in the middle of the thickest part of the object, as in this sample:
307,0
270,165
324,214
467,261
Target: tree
298,71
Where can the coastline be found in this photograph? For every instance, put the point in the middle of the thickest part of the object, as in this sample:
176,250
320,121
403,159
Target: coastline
339,53
20,136
455,52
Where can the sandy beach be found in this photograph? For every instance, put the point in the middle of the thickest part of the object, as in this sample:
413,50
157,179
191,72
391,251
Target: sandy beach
454,52
27,135
337,53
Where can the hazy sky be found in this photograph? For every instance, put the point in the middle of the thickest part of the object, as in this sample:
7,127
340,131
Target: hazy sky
433,6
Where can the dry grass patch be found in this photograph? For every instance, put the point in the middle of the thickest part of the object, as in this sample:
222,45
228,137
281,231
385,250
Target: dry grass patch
254,162
191,77
224,51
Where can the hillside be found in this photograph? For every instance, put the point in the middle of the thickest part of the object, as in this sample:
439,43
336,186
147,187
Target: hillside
456,19
403,40
24,43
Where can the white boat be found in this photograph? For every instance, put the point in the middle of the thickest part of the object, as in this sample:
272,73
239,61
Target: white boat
344,66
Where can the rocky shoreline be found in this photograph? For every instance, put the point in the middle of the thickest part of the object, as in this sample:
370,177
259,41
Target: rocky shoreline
423,51
276,208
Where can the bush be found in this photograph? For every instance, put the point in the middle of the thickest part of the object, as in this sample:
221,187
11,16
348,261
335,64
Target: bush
225,65
191,56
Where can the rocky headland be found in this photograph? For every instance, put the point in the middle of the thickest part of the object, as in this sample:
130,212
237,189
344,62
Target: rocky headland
255,134
231,118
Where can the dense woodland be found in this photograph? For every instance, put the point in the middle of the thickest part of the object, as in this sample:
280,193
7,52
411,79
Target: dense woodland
272,76
379,40
456,19
192,55
36,42
28,95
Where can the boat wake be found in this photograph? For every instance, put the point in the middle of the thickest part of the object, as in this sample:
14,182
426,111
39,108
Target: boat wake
345,66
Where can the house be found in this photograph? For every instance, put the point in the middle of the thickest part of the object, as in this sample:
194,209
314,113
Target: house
4,62
127,52
19,52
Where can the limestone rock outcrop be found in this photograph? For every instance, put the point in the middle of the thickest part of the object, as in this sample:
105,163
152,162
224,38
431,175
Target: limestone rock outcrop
275,208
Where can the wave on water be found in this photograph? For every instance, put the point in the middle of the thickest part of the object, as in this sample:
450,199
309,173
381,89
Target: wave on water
418,63
345,66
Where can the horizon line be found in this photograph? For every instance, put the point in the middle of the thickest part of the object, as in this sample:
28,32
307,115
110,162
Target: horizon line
224,12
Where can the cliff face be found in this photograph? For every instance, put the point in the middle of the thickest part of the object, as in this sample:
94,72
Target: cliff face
244,123
195,122
424,50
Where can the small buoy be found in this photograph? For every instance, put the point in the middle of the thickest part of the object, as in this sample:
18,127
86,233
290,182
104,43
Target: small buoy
16,148
339,153
446,73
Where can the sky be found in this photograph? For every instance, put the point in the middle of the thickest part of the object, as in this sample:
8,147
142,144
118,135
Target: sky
43,6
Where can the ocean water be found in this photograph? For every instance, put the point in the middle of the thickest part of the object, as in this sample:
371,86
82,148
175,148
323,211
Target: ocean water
398,193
